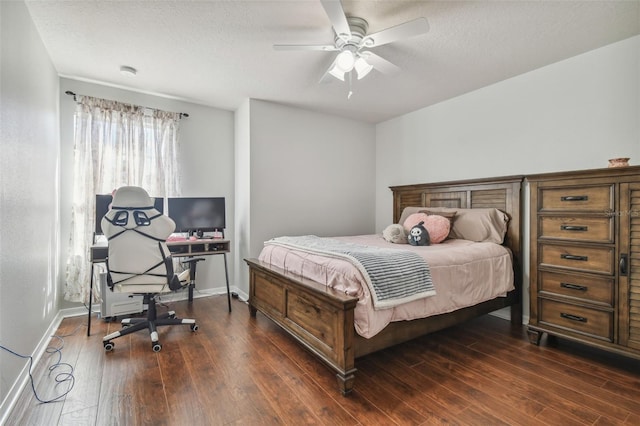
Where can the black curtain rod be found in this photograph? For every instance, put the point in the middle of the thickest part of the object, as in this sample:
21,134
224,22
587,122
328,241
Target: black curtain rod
70,93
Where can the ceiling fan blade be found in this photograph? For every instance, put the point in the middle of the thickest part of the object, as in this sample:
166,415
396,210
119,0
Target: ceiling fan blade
338,19
324,48
379,63
408,29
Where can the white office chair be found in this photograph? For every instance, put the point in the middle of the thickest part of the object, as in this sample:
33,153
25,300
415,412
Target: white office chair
139,261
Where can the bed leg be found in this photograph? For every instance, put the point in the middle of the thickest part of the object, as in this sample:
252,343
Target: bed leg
534,337
345,382
252,311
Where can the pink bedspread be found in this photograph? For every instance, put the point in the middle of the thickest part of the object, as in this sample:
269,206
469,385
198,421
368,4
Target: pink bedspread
464,273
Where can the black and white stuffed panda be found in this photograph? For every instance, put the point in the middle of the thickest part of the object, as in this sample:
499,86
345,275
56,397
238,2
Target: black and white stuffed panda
419,236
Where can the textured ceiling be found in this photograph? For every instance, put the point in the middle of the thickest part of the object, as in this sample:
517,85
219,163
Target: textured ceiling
219,53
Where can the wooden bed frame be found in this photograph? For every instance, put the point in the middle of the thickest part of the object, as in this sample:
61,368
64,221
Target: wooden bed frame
322,319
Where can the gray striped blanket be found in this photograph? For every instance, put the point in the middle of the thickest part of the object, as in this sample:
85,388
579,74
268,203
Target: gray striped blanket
394,276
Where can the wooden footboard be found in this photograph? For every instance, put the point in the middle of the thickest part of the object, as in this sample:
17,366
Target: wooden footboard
322,319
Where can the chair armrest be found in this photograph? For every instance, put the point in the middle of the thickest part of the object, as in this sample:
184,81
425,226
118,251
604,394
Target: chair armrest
191,260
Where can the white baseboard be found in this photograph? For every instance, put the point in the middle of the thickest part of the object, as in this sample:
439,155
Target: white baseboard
167,297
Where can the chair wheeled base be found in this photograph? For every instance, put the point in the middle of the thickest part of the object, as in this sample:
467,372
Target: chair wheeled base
152,321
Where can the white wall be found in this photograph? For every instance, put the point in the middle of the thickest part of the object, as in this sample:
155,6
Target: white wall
243,192
206,163
310,173
574,114
29,191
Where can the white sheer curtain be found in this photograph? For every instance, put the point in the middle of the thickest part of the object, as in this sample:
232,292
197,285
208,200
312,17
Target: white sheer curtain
115,144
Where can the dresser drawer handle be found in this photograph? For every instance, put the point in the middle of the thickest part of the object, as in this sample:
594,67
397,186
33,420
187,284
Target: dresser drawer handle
574,286
574,257
573,317
573,228
574,198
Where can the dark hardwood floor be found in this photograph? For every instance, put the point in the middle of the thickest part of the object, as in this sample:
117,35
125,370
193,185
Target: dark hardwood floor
239,370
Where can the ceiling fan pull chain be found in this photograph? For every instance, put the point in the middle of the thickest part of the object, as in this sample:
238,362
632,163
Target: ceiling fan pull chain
350,83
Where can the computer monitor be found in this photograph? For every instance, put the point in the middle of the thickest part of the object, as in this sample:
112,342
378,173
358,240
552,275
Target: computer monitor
103,204
197,215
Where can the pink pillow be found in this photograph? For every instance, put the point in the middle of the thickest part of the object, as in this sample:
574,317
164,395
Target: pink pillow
438,227
414,219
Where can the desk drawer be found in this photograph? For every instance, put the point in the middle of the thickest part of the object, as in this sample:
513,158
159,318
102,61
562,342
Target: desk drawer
596,229
585,199
581,258
577,318
593,289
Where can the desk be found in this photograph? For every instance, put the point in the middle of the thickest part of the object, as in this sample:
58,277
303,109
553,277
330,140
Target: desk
202,247
185,248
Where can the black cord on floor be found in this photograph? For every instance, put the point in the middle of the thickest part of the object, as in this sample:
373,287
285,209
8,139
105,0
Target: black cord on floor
61,377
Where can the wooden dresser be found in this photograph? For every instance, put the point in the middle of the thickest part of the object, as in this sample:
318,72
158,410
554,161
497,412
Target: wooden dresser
585,258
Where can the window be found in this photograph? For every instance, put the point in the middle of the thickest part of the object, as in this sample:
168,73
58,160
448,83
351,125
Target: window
115,144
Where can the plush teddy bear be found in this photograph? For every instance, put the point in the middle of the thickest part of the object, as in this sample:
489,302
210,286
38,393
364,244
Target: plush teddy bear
419,236
395,234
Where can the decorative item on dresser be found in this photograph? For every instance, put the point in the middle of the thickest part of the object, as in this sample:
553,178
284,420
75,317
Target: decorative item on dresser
322,319
619,162
585,258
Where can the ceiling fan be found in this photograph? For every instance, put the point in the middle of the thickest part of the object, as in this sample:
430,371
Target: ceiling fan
353,43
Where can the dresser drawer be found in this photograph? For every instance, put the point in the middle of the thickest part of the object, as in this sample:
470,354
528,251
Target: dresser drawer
577,318
593,289
580,258
596,229
585,199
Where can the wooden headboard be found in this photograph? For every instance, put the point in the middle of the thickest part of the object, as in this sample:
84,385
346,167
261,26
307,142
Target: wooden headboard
503,193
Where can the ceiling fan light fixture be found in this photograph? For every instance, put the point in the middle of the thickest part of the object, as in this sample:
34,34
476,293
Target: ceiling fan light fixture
345,61
337,73
362,67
